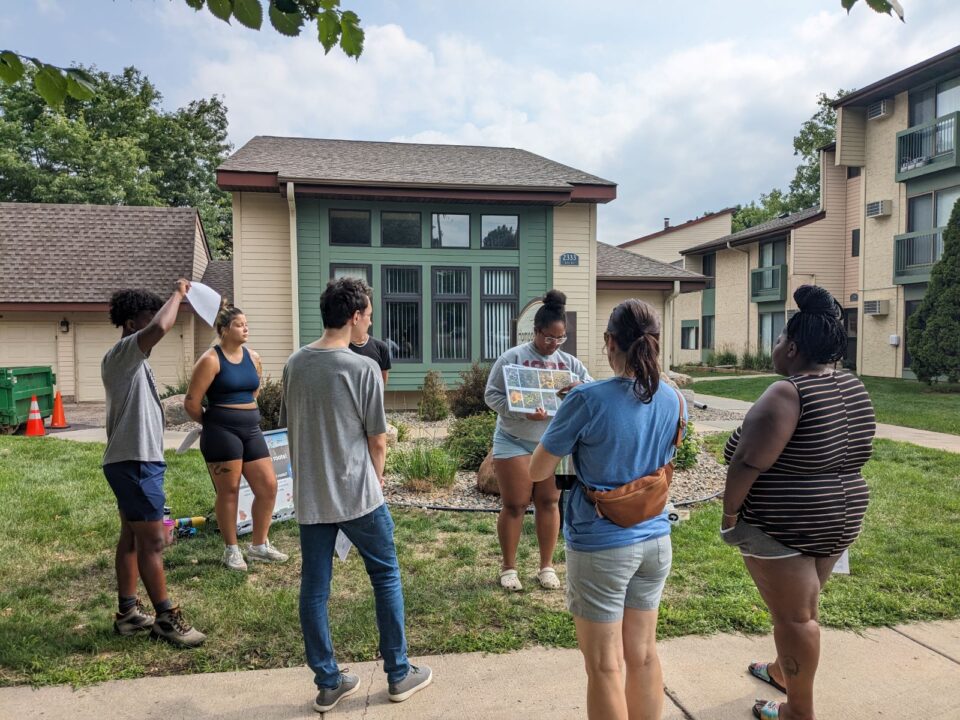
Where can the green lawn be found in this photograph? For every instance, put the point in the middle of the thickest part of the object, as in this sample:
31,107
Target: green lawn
695,371
57,591
897,402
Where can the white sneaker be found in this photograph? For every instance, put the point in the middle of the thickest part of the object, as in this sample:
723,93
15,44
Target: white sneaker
265,553
234,560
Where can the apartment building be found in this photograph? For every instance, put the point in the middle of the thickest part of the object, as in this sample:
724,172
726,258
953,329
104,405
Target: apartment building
667,245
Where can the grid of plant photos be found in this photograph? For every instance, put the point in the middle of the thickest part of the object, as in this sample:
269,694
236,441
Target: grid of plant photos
529,389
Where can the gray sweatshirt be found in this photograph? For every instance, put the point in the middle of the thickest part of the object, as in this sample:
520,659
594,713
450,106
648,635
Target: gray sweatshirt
517,424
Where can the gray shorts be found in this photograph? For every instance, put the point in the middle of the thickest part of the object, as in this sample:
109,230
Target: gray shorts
506,446
602,583
751,541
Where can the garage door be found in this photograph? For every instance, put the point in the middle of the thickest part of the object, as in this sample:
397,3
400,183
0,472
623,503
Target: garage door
28,343
93,341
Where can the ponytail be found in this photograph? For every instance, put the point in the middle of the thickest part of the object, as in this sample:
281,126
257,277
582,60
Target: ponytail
634,326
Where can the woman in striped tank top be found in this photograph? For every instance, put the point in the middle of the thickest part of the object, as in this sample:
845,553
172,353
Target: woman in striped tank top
795,498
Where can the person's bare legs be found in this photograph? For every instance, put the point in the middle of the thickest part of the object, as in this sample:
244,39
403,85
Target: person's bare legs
516,489
125,561
546,504
263,482
644,686
601,645
149,541
226,480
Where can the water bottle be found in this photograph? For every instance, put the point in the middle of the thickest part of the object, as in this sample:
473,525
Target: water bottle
169,527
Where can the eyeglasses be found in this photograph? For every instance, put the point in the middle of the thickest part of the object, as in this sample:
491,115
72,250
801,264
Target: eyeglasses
550,340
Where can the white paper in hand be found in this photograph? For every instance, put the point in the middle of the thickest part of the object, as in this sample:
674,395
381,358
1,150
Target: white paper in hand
843,564
188,441
342,546
205,300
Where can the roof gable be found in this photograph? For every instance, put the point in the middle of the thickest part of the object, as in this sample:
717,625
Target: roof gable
613,262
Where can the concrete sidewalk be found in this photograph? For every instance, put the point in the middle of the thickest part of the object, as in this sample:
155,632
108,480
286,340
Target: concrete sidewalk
910,671
171,438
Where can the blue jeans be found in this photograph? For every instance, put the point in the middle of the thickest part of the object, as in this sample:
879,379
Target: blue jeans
372,535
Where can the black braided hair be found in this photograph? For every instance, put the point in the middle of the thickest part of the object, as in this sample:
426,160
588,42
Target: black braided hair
128,304
634,326
554,308
817,328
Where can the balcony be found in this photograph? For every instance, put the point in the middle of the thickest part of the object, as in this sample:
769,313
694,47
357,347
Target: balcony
914,255
768,284
928,148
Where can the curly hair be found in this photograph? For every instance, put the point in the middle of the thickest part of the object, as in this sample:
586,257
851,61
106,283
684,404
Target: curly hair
554,308
342,298
817,327
128,304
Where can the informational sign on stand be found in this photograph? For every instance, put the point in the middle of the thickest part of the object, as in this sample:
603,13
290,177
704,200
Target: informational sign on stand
283,508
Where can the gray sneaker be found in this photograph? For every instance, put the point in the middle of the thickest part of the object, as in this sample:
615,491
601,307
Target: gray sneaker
171,626
417,679
134,620
233,559
265,553
328,698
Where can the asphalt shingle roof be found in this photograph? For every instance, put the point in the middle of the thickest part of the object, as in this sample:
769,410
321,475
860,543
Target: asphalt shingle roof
353,162
82,253
779,223
614,262
219,276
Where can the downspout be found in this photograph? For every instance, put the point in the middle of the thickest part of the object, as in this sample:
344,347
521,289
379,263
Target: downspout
747,253
669,311
294,266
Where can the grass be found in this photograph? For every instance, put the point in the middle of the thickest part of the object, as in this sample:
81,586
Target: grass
897,402
698,371
424,467
57,587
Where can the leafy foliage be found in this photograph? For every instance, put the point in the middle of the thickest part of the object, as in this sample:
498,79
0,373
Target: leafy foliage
424,468
687,453
433,399
934,330
887,7
403,430
471,438
720,357
759,360
118,148
268,402
467,398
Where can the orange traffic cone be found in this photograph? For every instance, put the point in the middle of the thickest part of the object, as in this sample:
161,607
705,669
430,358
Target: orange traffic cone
59,419
34,421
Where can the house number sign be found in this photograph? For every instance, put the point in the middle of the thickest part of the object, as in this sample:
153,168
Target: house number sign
569,259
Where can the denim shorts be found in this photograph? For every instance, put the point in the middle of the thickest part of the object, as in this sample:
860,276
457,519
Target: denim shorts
506,446
600,584
751,541
138,487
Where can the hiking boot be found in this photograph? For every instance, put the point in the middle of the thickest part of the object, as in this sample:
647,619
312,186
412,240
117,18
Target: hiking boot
233,559
328,698
171,626
417,679
134,620
265,553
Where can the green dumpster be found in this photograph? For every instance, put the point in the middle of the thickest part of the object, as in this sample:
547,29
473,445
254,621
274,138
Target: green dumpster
17,386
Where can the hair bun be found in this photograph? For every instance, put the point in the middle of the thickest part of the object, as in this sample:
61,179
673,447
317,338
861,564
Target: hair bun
555,299
814,300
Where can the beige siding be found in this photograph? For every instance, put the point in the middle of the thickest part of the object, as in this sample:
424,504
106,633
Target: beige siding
819,249
736,316
201,256
851,131
687,306
575,231
261,275
667,247
851,265
607,300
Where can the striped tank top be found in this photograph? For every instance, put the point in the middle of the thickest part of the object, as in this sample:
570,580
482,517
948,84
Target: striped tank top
813,498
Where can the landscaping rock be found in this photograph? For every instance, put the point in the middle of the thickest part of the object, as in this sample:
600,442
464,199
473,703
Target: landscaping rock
173,411
392,435
487,477
679,379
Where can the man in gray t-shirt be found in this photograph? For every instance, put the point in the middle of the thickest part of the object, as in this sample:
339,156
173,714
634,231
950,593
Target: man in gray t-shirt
332,408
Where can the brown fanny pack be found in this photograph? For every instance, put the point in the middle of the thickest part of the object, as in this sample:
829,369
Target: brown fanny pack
639,499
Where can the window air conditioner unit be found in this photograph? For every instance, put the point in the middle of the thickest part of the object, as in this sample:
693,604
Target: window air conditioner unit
880,109
876,307
879,208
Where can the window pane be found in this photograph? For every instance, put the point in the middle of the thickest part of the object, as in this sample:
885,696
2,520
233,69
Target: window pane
499,231
499,282
922,107
708,332
452,282
401,329
946,199
401,281
450,320
349,227
360,272
498,318
400,229
450,231
854,243
948,97
920,213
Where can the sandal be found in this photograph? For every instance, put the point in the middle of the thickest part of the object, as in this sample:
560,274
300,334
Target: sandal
547,577
509,580
761,671
766,709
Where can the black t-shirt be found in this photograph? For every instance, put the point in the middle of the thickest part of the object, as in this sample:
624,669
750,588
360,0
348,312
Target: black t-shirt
376,350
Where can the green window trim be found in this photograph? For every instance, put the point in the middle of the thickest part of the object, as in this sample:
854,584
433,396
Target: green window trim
391,301
689,341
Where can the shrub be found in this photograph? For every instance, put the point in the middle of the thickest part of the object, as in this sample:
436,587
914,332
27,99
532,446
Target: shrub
467,398
423,468
179,389
403,431
724,356
268,402
471,438
760,360
433,400
689,450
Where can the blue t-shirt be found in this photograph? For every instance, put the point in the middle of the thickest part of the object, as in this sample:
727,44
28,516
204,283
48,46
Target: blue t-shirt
614,438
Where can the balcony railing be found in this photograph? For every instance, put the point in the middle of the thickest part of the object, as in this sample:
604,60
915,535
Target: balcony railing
768,284
928,148
915,254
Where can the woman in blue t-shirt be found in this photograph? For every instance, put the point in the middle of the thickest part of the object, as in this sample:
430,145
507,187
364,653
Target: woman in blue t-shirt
617,430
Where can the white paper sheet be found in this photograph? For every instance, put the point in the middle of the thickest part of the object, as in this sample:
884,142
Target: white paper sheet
205,300
188,441
342,546
843,564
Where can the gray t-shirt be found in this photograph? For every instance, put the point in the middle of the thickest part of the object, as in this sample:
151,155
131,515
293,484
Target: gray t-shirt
332,400
134,412
517,424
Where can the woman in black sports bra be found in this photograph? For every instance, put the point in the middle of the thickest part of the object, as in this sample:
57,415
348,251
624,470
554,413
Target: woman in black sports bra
231,440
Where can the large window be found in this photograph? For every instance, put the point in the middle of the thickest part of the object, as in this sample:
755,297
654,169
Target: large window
707,336
400,229
450,231
709,269
500,232
932,210
349,227
401,326
935,101
341,270
773,253
451,314
688,336
771,325
499,296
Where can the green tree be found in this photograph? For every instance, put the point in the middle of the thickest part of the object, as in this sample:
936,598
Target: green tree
933,333
117,148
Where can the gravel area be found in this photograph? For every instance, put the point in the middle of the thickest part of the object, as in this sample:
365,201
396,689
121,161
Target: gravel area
697,415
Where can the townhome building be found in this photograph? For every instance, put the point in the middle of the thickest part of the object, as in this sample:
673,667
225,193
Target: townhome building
666,245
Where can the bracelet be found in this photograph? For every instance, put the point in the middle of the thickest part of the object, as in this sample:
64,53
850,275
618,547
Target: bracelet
733,515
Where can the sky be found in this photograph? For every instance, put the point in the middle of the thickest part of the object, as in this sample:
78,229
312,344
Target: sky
690,107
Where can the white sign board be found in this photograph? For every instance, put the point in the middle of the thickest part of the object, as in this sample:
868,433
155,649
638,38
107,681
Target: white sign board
525,322
283,508
843,564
